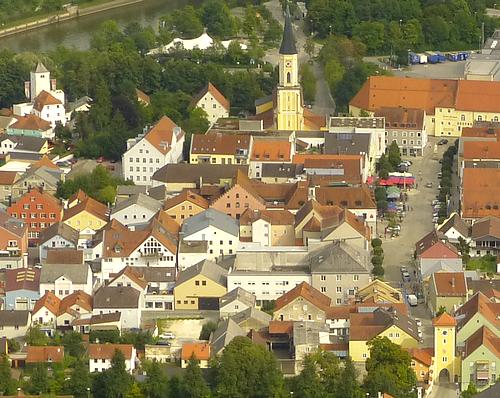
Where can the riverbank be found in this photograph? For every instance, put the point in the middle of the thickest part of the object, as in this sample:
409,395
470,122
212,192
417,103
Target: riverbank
71,12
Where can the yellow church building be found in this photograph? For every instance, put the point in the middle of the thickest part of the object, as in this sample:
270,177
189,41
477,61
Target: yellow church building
285,109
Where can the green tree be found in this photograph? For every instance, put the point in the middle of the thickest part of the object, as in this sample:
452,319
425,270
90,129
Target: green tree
389,369
470,392
73,344
384,167
156,383
441,310
80,380
376,242
7,383
217,17
349,386
377,260
134,392
34,336
372,34
39,380
193,385
207,329
183,22
13,345
247,370
334,73
114,382
394,155
308,384
308,81
378,271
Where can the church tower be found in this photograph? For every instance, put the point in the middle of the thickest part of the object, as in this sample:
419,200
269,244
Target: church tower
39,81
289,111
444,348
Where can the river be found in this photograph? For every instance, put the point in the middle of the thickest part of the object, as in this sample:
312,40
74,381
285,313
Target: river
77,32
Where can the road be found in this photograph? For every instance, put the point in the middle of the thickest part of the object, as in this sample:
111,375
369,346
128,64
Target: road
493,12
444,391
323,102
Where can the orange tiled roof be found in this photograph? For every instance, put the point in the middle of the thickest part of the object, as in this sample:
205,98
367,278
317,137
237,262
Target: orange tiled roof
268,150
280,327
450,283
8,177
219,144
50,301
89,205
422,355
161,134
478,303
210,88
78,298
142,96
45,162
36,354
483,336
483,132
106,351
481,193
201,351
306,291
30,122
444,319
132,275
481,150
275,217
45,98
186,195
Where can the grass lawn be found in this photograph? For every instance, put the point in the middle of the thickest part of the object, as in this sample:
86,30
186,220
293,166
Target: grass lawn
486,263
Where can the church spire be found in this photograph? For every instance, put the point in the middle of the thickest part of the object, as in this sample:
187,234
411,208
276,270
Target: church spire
288,42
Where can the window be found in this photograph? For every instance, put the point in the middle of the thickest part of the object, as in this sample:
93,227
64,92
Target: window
339,289
203,283
479,118
365,355
355,277
288,77
338,277
339,301
323,289
445,359
323,277
197,283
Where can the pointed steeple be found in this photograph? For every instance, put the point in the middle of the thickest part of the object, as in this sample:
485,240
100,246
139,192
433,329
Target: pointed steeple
40,68
288,41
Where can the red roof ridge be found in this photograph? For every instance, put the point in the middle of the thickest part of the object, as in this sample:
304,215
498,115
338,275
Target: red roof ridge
444,319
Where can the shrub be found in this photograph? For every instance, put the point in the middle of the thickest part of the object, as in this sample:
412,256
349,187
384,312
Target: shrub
376,242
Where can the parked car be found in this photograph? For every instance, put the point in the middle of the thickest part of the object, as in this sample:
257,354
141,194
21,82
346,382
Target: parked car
163,342
403,269
435,220
406,277
429,185
412,300
440,175
167,336
435,202
442,141
437,207
418,322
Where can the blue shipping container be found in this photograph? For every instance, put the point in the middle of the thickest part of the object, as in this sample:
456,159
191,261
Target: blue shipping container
432,57
441,57
413,58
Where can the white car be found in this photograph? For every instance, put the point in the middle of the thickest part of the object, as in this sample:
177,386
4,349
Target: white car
435,220
418,322
167,335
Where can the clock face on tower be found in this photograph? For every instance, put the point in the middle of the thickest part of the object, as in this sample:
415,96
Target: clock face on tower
288,64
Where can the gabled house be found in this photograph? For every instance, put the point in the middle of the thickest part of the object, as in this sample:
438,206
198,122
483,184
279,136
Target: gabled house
13,242
226,331
218,229
454,228
481,359
200,287
485,236
100,356
476,312
364,326
14,323
149,152
31,125
87,217
301,303
124,192
448,290
330,223
269,151
130,278
267,227
421,363
216,148
64,255
252,319
7,180
213,102
184,205
46,355
379,291
45,313
137,210
50,108
43,177
154,246
235,301
38,209
434,255
89,322
124,299
64,279
58,236
23,144
21,288
198,351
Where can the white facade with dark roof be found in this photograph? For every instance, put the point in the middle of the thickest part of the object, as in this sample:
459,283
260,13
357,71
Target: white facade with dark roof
65,279
138,209
220,231
57,236
126,300
149,152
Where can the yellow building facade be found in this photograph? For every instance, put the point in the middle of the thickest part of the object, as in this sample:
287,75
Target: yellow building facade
446,363
84,220
198,288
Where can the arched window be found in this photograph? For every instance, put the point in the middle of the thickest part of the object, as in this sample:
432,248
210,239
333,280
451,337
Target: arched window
463,118
288,77
495,119
479,118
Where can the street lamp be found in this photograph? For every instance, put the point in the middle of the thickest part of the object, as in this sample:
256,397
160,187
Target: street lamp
400,22
88,392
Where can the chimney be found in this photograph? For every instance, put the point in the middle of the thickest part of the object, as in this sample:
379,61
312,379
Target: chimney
53,85
27,90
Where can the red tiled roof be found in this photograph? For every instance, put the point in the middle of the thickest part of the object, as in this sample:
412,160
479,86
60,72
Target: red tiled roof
269,150
280,327
218,96
161,134
106,351
36,354
219,144
89,205
481,150
481,193
483,336
30,122
186,195
307,292
45,98
478,303
8,177
422,355
49,301
450,283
